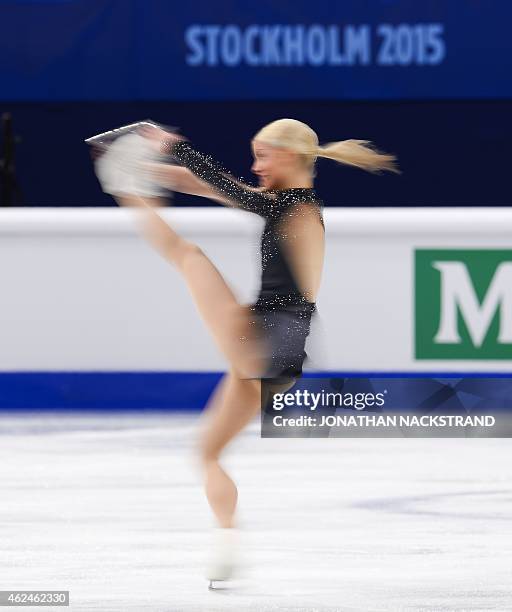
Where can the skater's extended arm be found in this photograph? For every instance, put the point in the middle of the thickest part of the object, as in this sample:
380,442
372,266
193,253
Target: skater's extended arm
227,189
179,178
208,170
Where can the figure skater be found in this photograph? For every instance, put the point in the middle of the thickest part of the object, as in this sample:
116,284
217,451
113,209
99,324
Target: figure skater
265,340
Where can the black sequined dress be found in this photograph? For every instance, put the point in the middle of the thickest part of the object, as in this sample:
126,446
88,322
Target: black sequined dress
281,311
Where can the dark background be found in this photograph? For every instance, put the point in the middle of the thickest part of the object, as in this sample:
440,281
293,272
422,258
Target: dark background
72,68
450,152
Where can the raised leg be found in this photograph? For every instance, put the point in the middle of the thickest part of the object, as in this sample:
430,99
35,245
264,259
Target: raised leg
226,319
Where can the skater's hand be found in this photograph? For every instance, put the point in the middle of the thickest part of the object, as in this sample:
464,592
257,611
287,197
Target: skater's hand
153,132
161,139
96,151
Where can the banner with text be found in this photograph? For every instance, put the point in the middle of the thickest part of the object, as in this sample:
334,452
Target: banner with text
356,49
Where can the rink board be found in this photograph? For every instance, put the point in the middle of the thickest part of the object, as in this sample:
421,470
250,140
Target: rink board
125,391
92,317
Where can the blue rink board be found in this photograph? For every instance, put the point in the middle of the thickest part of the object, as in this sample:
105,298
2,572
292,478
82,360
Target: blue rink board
166,391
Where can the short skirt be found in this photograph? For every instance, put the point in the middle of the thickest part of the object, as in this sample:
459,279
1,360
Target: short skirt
284,328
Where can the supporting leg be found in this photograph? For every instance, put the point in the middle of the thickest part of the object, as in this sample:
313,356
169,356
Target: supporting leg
234,404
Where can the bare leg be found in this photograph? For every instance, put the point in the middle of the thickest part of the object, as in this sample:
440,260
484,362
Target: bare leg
237,399
226,319
234,404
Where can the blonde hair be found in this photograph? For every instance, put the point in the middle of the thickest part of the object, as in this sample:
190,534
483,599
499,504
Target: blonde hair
299,137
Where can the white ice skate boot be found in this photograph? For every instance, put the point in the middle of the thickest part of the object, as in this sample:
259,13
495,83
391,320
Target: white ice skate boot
223,556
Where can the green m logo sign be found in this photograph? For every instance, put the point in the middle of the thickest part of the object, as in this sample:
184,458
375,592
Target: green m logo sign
463,304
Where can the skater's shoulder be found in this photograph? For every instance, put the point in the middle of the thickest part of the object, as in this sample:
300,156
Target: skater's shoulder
297,195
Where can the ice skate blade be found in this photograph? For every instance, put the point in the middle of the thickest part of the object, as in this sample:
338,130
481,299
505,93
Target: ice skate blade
218,584
224,584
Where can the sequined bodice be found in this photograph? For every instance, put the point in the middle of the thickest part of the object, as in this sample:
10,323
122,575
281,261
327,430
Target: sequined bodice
278,287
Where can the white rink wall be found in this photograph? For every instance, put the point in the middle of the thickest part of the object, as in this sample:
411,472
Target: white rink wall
82,291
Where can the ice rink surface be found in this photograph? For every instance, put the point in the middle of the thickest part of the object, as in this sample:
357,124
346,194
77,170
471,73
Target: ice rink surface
110,507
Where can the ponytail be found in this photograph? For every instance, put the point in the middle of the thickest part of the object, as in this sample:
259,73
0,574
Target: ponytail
359,153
